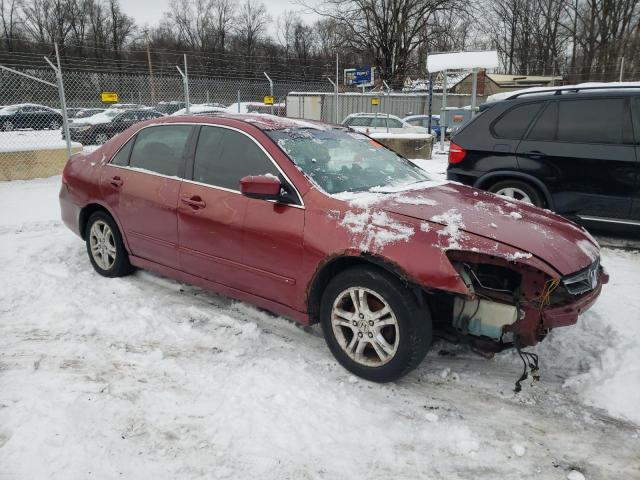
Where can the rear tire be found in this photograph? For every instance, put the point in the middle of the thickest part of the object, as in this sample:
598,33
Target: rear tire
105,247
518,190
101,138
373,324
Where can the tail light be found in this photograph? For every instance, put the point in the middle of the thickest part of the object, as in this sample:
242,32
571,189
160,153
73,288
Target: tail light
456,153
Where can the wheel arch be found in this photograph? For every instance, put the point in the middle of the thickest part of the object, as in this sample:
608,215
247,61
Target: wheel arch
490,178
338,263
90,209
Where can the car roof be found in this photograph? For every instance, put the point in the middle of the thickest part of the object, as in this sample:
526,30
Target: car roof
372,114
413,117
573,91
261,121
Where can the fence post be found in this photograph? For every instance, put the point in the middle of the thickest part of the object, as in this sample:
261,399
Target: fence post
443,115
621,68
63,101
270,89
474,90
238,101
185,83
388,103
336,85
335,97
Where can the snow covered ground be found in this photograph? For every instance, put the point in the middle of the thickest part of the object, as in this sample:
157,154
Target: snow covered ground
144,377
20,140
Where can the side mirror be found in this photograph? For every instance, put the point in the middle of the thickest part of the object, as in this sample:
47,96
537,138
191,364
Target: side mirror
263,187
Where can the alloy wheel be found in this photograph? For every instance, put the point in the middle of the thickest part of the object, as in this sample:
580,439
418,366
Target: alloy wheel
515,193
7,126
102,244
365,326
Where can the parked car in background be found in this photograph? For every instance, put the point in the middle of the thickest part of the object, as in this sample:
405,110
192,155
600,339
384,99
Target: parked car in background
572,150
202,108
241,204
88,112
170,107
99,128
127,106
29,115
380,122
423,121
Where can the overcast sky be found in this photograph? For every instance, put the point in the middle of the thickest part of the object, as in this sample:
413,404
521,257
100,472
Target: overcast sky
144,13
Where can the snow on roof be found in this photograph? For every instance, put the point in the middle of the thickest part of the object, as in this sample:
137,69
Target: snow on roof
545,90
200,108
462,60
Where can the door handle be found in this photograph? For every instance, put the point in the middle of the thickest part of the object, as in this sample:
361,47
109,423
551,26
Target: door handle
535,154
194,202
116,182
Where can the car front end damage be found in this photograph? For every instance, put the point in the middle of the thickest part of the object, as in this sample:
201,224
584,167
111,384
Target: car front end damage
513,303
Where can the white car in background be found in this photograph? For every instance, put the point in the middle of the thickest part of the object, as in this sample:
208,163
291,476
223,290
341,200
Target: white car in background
380,123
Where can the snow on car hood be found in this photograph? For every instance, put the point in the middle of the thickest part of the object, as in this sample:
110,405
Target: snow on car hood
560,243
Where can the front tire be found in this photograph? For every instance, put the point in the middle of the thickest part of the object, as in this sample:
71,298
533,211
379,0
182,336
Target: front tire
373,324
105,247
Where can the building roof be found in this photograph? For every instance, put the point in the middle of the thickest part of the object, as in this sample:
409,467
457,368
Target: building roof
516,80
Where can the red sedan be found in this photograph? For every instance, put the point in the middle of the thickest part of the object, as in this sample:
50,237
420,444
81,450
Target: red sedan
322,224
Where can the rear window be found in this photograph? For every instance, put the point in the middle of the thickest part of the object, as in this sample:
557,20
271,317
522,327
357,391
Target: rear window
513,124
160,149
591,120
359,122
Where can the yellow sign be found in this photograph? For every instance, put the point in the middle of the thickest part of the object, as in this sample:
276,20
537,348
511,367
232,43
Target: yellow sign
268,100
375,101
109,97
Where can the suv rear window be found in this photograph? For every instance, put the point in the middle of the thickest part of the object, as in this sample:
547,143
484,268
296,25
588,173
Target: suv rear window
591,120
515,122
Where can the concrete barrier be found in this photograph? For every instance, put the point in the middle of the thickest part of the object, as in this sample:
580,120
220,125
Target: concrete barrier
28,164
409,145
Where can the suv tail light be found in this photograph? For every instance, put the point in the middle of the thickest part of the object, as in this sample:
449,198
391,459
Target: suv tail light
456,153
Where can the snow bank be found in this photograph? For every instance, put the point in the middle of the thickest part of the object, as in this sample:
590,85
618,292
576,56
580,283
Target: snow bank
147,378
27,140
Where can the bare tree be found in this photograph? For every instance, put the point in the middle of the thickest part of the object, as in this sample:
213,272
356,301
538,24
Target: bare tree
387,31
252,21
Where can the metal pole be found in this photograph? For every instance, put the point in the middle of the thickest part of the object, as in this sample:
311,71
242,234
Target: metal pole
186,86
621,68
337,96
443,118
474,90
335,89
63,102
430,111
270,89
238,101
387,103
151,83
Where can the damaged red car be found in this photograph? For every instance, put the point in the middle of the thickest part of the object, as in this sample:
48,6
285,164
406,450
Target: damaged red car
322,224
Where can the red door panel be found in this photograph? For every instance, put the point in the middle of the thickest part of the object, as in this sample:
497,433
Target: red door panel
211,232
145,205
273,243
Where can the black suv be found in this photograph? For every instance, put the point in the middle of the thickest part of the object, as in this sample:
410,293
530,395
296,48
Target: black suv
573,150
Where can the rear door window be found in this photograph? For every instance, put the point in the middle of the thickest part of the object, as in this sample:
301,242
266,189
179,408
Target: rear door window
591,120
393,123
514,123
224,156
545,127
161,149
